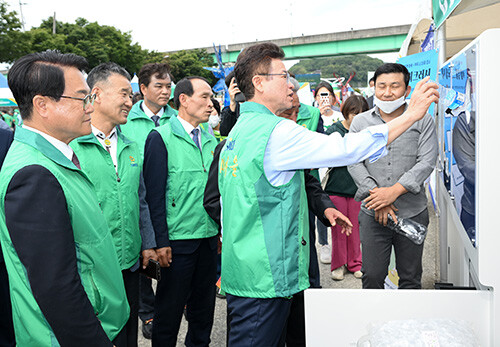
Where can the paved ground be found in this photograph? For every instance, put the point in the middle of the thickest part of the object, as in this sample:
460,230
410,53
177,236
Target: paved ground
430,276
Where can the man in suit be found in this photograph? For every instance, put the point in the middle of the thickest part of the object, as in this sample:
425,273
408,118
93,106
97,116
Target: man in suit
6,328
70,291
155,83
177,157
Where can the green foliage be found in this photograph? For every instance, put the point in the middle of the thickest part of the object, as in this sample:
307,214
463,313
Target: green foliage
342,66
13,42
97,43
190,63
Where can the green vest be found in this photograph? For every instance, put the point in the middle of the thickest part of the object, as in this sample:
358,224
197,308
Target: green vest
139,124
308,117
117,194
265,252
187,178
96,256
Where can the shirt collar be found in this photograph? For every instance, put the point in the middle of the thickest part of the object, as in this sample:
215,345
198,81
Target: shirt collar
187,126
101,135
150,113
65,149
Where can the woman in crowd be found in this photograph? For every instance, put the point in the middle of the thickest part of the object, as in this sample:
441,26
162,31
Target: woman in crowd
341,188
325,101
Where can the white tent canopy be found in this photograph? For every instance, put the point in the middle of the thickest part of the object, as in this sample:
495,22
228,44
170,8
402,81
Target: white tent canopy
466,22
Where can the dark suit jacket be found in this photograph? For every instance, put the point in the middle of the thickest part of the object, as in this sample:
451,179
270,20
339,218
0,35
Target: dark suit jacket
6,138
155,178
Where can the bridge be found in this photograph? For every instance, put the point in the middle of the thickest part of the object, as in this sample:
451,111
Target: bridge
366,41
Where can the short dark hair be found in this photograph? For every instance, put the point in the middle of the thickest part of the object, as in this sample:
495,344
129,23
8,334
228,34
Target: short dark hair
102,72
216,105
184,86
324,84
392,68
354,104
40,74
255,60
160,70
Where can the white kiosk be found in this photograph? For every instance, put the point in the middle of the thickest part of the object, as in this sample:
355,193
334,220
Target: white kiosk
469,258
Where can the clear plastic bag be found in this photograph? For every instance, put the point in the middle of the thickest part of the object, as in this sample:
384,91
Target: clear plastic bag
420,333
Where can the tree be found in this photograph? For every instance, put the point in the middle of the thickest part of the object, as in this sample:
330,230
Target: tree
342,66
97,43
13,42
191,63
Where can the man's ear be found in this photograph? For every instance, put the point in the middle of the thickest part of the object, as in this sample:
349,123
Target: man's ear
408,91
98,93
41,105
143,88
183,99
257,83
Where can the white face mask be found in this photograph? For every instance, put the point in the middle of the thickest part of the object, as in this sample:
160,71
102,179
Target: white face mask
389,106
213,121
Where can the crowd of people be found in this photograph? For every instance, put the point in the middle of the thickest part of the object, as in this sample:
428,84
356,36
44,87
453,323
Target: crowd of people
102,190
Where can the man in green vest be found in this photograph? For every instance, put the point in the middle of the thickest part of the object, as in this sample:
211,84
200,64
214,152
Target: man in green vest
113,163
65,281
265,253
155,85
176,162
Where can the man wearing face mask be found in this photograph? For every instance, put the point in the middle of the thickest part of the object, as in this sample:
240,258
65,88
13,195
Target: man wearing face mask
393,185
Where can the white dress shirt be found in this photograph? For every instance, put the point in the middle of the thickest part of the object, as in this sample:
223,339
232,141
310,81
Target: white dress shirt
292,147
150,113
61,146
110,143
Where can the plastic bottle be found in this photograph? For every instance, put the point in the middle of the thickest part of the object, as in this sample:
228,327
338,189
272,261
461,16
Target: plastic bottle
416,232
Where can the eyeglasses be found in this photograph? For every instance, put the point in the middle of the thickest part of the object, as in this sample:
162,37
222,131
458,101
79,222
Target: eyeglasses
284,75
87,100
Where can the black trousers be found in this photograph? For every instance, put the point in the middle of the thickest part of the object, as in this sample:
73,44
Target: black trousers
377,242
131,281
146,298
6,327
189,281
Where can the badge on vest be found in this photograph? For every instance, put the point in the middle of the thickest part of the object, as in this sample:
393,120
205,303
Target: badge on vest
224,165
230,144
132,161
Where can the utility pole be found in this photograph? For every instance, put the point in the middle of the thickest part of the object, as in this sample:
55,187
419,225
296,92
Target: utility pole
54,24
21,13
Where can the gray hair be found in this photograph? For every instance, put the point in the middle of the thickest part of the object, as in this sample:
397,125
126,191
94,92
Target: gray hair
296,85
102,72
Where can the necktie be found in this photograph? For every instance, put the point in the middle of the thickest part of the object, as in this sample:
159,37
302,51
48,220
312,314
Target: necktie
75,161
195,137
156,119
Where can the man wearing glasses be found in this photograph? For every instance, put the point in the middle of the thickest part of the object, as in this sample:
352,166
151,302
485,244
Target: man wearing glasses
65,279
265,253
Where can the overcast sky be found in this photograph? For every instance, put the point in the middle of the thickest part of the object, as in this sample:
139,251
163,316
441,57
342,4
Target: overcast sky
174,25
